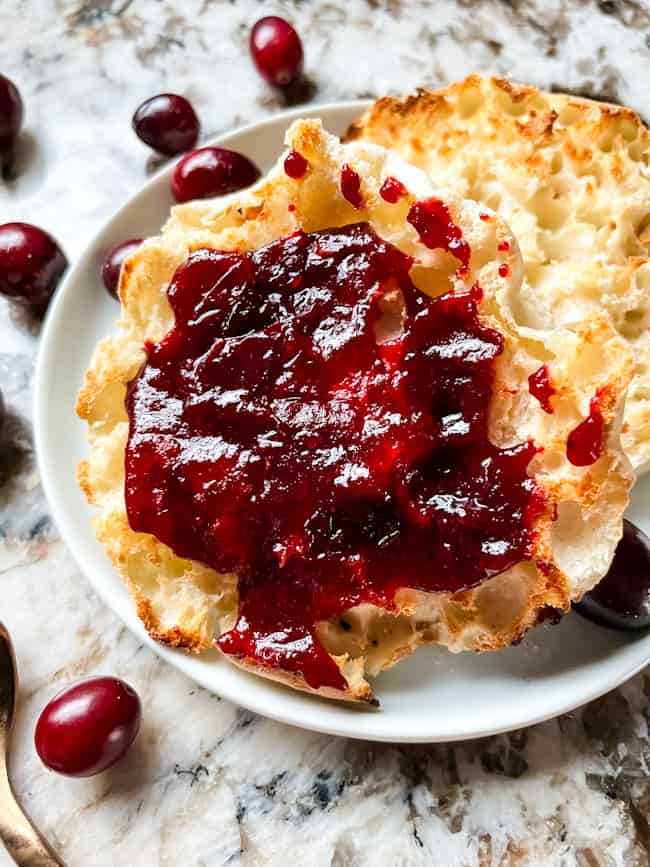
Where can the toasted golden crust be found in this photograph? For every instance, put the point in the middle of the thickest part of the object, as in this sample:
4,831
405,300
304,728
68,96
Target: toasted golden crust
572,178
185,604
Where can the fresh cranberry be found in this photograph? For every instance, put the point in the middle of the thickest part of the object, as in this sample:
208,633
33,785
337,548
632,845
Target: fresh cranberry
276,50
622,599
113,263
88,727
31,264
11,115
167,123
212,172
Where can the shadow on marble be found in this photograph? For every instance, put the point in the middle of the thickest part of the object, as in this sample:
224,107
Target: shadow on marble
25,172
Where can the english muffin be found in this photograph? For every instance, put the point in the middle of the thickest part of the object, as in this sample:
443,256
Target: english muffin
572,178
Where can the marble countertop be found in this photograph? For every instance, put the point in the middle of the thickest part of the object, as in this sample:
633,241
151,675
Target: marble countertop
208,783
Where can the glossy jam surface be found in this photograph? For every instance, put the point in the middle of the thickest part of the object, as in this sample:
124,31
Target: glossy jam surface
112,265
316,424
168,123
540,386
276,50
585,442
88,727
432,221
392,190
351,186
295,165
622,599
212,171
31,265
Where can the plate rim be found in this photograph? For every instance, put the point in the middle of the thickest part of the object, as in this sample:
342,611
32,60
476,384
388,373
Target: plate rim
254,701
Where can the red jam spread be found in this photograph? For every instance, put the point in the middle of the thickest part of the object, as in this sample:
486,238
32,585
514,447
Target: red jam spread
585,442
432,221
351,186
317,425
295,165
540,386
392,190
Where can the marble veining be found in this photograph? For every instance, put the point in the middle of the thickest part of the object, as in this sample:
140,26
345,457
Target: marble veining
207,783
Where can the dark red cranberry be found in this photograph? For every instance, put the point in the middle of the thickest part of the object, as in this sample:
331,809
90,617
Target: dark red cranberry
11,115
212,172
113,263
276,50
622,599
167,123
31,264
88,727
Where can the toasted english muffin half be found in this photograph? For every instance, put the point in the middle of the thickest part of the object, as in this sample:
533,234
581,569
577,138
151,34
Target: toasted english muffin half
572,178
186,604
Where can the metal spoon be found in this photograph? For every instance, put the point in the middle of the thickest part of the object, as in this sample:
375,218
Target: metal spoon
23,842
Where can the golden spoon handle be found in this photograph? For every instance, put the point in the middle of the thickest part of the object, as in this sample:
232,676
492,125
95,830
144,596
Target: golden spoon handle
22,840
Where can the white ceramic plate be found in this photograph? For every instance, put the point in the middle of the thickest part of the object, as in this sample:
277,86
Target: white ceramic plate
433,695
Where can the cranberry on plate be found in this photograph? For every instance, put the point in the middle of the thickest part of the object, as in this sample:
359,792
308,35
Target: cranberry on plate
88,727
113,263
11,115
167,123
31,265
212,171
276,50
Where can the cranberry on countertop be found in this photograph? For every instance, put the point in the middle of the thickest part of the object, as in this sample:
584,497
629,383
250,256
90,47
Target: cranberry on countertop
622,599
113,263
11,115
212,171
276,50
31,265
167,123
88,727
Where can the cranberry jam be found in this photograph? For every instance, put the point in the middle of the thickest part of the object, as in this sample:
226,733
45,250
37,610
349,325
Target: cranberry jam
585,442
318,426
541,387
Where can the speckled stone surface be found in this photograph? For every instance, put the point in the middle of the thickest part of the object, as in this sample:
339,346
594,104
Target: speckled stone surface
208,783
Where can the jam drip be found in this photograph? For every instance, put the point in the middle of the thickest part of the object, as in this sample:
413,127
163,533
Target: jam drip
585,442
541,387
392,190
351,186
432,221
295,165
318,426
